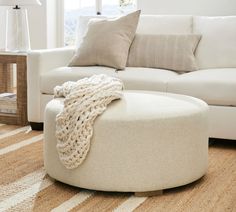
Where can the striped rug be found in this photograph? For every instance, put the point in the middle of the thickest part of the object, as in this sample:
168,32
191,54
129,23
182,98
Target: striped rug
24,185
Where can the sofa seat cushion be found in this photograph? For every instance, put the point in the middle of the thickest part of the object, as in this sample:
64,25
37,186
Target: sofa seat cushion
134,78
58,76
215,86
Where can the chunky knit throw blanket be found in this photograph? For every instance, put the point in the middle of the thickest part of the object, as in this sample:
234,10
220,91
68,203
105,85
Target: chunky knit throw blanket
84,101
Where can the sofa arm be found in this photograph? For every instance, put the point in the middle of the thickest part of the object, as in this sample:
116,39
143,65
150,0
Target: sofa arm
39,61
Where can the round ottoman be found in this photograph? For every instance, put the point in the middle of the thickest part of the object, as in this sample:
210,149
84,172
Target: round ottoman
145,142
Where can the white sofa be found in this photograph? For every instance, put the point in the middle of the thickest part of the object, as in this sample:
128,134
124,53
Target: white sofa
214,82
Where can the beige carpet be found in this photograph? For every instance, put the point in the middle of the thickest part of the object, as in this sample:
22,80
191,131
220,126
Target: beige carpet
24,185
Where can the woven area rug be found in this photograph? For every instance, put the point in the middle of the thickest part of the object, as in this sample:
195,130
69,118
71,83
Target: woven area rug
24,185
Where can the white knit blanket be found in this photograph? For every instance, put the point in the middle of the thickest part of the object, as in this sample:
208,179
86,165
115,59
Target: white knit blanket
84,101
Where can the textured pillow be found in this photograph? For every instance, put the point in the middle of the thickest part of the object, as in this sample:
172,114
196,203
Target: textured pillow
174,52
82,27
107,42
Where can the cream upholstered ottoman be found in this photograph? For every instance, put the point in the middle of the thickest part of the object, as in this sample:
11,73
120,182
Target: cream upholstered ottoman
148,141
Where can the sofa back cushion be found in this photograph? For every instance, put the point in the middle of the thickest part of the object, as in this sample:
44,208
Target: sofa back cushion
148,24
165,24
217,48
174,52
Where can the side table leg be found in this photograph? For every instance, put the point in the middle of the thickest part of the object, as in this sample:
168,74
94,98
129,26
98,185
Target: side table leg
2,85
9,75
22,90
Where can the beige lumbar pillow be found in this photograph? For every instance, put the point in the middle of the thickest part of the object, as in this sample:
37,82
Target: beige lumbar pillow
174,52
107,42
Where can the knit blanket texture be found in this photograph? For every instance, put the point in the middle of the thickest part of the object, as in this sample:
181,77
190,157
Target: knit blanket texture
84,101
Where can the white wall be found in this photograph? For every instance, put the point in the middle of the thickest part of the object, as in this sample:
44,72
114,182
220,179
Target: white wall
51,24
188,7
37,17
43,24
2,27
55,22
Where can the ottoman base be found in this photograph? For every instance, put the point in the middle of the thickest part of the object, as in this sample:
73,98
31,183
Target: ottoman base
137,146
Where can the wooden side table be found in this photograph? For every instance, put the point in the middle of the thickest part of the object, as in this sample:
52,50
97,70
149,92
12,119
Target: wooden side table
7,59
